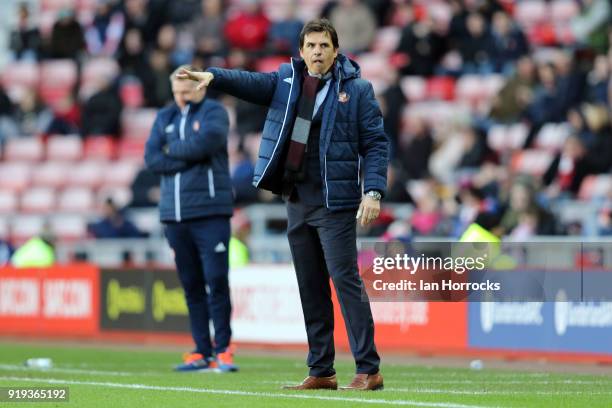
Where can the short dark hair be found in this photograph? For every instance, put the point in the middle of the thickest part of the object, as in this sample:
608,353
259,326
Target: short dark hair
322,25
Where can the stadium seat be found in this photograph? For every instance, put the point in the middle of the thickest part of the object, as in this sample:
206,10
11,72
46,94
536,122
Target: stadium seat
68,148
414,88
131,150
442,88
56,5
4,228
373,66
121,195
120,173
531,161
552,136
95,69
507,137
596,186
58,80
30,149
19,76
387,40
38,200
131,93
270,64
15,176
51,174
563,10
137,123
8,202
68,227
76,199
99,147
24,227
530,12
89,173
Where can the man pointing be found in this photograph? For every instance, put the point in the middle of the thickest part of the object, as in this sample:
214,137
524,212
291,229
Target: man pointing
323,129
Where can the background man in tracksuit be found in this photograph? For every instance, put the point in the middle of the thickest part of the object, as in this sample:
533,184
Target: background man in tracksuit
188,148
323,128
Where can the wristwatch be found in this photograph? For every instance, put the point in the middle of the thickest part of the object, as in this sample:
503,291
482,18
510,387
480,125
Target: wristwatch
374,195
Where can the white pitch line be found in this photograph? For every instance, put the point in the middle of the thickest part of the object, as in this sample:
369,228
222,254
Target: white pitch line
244,393
486,392
9,367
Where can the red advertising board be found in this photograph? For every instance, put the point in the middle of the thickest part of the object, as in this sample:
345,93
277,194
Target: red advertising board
413,326
61,300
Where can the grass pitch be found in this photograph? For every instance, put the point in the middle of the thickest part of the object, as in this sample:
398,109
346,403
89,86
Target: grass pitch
112,377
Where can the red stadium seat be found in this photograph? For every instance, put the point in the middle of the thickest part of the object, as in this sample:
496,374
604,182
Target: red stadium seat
76,199
68,148
24,227
8,202
100,147
131,94
442,88
29,149
120,173
68,227
51,174
87,174
56,5
93,71
595,186
38,200
131,150
507,137
137,123
270,64
532,161
59,78
18,76
15,176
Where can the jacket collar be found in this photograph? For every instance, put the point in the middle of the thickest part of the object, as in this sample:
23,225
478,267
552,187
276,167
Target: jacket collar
343,67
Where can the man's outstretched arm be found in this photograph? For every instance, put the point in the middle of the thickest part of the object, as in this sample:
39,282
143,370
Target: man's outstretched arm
254,87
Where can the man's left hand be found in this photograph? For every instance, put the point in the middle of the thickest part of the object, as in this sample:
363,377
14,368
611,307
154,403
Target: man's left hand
369,209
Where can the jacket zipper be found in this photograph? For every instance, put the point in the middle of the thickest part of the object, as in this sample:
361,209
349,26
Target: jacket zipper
325,158
177,176
282,126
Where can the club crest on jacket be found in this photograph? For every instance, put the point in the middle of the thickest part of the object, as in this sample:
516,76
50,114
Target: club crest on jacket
343,97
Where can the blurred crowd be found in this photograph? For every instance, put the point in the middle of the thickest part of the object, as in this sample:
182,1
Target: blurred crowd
445,166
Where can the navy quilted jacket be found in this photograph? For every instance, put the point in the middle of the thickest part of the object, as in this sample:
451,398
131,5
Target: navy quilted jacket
352,136
195,178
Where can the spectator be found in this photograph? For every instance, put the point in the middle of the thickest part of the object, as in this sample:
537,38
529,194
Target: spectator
511,101
415,154
145,189
104,34
114,224
477,47
37,252
248,29
284,34
67,38
396,184
6,251
32,117
591,26
355,24
66,117
207,29
422,48
523,217
598,80
145,16
102,111
475,149
509,43
567,170
157,92
25,41
166,43
392,104
242,178
133,58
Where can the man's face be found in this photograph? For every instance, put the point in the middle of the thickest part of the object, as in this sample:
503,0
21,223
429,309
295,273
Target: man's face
185,91
318,52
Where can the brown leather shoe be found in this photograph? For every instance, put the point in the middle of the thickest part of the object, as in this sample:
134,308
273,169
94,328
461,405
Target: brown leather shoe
315,383
365,382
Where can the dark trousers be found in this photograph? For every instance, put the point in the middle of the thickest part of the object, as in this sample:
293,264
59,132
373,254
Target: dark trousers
323,245
201,256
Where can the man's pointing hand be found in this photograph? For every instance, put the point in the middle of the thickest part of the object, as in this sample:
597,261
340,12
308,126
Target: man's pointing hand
203,78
